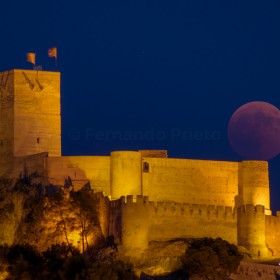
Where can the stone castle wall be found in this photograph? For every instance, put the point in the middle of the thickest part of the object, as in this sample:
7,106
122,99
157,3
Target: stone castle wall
7,120
272,229
31,165
192,220
80,170
191,181
135,222
162,179
69,170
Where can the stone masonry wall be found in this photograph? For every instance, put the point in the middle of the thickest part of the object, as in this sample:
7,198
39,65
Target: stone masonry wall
80,170
174,220
140,221
251,229
37,120
6,121
191,181
272,229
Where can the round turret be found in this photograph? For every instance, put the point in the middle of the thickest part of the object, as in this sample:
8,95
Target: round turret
125,173
255,184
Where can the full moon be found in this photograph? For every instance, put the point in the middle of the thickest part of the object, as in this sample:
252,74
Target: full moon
254,131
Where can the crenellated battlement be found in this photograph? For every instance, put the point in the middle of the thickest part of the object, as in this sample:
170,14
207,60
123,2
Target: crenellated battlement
193,210
252,211
177,209
247,225
273,219
272,227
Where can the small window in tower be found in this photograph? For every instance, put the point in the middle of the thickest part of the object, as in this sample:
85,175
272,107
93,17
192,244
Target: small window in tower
38,140
1,144
146,167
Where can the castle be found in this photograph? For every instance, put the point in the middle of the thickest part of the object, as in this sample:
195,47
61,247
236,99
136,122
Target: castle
147,196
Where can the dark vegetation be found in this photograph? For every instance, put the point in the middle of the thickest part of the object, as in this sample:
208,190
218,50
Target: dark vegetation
206,257
211,258
61,262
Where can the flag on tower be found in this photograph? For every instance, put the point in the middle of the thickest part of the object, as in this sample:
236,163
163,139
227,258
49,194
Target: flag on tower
52,52
30,57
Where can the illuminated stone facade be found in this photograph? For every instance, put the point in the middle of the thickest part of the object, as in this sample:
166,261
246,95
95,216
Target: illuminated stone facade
30,114
147,196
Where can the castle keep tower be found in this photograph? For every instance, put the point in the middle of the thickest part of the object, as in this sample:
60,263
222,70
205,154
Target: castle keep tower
30,119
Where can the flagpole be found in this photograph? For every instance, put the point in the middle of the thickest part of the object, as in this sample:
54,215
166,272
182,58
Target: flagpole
34,65
56,58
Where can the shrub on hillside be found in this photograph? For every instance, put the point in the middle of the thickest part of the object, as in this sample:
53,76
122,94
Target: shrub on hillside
211,258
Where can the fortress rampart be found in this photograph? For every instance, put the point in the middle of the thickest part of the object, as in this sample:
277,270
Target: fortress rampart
162,179
80,170
135,221
181,180
272,236
163,221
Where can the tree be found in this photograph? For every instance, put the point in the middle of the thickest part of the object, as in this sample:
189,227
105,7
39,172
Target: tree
211,258
58,197
57,254
84,202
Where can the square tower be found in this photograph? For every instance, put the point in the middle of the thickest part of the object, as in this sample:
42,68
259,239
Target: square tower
30,118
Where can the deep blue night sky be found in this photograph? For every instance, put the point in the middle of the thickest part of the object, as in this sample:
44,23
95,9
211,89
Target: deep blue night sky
151,74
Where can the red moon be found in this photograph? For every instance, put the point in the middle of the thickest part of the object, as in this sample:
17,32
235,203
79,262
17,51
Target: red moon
254,131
